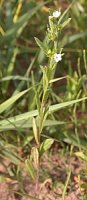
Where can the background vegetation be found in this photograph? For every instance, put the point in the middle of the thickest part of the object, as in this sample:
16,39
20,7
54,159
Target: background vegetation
20,74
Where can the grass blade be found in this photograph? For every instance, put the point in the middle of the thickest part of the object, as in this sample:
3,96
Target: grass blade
11,100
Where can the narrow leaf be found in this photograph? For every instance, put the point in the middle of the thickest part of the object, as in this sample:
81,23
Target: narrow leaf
35,131
65,23
11,100
57,79
30,168
81,155
65,104
40,44
24,124
45,146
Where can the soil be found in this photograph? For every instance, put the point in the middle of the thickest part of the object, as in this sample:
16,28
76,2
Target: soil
55,168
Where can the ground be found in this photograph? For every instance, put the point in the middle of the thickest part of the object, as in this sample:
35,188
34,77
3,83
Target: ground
55,168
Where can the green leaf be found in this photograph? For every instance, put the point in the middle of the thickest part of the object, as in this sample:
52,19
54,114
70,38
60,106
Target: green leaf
30,168
35,131
77,36
45,146
65,23
81,155
84,185
35,157
64,104
27,139
11,156
11,100
45,78
57,79
18,77
64,13
18,120
12,124
41,45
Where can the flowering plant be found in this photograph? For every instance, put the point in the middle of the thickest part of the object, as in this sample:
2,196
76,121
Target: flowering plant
54,55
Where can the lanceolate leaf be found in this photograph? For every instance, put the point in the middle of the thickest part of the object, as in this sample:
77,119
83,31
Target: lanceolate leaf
77,36
40,44
65,23
65,13
81,155
57,79
30,168
25,123
35,130
11,100
45,146
21,119
59,106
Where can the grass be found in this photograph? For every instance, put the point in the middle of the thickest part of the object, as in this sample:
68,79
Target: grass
53,104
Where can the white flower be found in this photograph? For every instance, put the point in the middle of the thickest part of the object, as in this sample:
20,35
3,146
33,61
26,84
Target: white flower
56,14
57,57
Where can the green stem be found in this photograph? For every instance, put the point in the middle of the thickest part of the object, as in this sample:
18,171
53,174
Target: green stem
66,185
68,177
